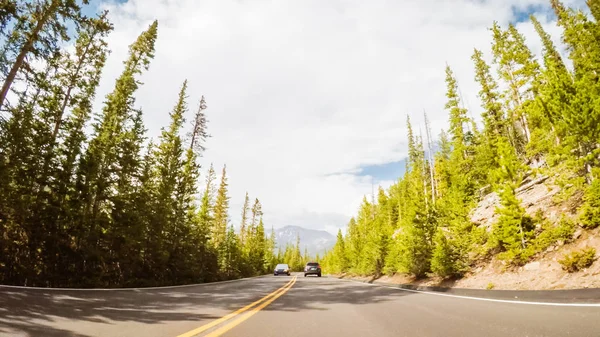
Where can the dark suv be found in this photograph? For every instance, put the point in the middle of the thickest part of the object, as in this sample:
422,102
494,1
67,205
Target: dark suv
312,268
282,268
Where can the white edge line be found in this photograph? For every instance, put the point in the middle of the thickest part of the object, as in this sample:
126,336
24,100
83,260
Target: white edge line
130,289
554,304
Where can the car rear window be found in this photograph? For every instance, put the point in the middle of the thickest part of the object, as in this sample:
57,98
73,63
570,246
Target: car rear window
281,266
312,264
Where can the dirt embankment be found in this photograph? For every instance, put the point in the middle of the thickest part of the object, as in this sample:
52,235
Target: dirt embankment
544,272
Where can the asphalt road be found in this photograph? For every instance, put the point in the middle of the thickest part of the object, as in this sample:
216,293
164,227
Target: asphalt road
287,306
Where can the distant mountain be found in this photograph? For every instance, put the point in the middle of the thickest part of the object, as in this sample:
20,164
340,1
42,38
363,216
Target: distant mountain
316,241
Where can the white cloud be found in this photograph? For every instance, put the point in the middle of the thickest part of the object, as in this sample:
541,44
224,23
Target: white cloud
300,90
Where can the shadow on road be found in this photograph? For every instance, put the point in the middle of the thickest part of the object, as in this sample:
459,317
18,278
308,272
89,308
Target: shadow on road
313,293
38,312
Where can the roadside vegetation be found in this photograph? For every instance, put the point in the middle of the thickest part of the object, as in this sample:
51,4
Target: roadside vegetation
541,116
578,260
111,208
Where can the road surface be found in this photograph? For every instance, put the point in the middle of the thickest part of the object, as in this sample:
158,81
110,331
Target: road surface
280,306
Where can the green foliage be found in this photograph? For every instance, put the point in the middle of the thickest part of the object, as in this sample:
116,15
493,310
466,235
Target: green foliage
337,261
594,6
514,228
533,113
105,211
590,210
490,286
220,220
578,260
583,118
550,235
110,211
446,261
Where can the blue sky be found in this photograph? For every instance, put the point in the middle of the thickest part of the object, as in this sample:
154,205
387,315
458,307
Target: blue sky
384,172
95,4
522,14
92,8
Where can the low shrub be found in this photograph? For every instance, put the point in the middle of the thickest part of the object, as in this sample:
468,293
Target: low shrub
550,234
578,260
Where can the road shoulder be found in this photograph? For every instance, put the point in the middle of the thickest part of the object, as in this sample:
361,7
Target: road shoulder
566,296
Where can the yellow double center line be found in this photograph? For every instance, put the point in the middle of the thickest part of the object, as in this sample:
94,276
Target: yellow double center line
254,307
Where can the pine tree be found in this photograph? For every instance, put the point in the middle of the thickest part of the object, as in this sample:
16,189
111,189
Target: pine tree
493,116
143,213
125,230
367,254
205,218
244,221
519,69
91,52
297,263
169,165
355,240
460,161
193,239
8,11
231,255
430,159
442,169
221,209
443,260
458,115
256,214
380,232
594,6
205,214
416,225
494,120
555,91
339,250
256,248
583,119
270,258
512,230
198,134
96,167
38,32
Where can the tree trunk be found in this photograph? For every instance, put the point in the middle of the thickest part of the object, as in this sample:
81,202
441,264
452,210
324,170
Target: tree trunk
431,159
33,37
526,128
556,137
522,235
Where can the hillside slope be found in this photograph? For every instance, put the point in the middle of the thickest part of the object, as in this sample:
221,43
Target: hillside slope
540,197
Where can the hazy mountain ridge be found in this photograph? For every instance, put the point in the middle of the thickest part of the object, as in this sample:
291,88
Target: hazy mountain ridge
316,241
